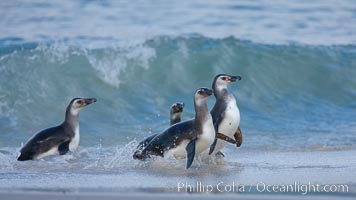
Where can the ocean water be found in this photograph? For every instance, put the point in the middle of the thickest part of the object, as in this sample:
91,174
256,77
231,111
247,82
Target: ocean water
297,96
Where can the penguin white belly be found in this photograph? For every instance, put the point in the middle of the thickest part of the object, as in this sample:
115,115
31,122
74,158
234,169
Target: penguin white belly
206,138
52,151
203,142
73,145
229,125
231,121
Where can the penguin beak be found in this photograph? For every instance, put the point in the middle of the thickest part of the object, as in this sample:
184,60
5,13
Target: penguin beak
208,92
205,92
89,101
234,78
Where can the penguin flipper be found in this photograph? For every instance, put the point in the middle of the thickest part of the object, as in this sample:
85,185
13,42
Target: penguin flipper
190,148
212,147
238,137
217,120
225,138
63,148
219,153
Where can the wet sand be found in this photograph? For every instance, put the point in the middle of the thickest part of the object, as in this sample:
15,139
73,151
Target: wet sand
18,195
254,171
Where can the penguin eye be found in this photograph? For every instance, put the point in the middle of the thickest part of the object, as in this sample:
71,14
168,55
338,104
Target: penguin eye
80,102
224,78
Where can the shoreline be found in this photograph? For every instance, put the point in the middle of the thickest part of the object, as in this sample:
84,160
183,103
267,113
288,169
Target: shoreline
161,179
75,195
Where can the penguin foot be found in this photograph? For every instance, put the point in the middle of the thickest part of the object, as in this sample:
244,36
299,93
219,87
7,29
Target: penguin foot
219,154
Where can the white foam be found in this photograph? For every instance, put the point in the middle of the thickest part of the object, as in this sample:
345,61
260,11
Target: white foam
112,63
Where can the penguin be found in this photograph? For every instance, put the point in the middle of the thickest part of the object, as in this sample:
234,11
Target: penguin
176,113
175,117
225,113
59,139
185,139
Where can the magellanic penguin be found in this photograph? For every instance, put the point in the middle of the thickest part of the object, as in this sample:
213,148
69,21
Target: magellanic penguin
176,113
225,113
185,139
59,139
175,117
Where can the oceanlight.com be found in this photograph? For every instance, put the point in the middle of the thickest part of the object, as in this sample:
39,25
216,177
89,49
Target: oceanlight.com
261,187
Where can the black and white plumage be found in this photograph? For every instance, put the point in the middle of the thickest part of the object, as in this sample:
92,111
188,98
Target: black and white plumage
185,139
225,113
175,117
59,139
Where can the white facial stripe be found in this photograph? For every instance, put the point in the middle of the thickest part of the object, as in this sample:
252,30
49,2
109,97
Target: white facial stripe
75,108
221,84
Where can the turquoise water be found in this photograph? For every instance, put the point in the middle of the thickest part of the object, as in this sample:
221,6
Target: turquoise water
290,96
297,61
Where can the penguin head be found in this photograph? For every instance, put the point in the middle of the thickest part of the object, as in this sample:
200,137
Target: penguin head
177,108
78,103
140,155
222,80
201,95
